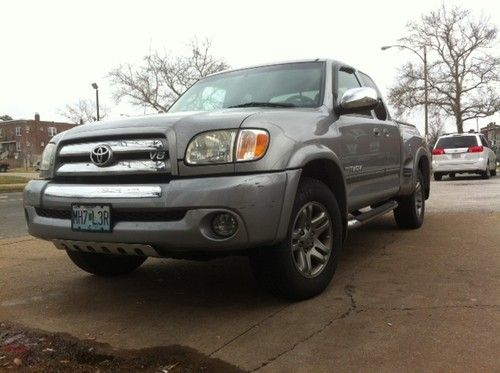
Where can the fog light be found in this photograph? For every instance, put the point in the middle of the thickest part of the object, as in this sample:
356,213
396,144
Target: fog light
224,224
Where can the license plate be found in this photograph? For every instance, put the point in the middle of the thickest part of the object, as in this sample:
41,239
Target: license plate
454,156
91,218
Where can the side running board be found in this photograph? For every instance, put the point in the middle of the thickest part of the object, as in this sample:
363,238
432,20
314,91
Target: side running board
361,218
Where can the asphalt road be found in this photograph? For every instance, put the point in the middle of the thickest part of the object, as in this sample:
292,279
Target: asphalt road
423,300
12,222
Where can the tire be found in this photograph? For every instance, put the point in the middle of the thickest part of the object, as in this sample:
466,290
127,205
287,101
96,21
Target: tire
105,264
411,209
494,172
486,173
437,176
293,269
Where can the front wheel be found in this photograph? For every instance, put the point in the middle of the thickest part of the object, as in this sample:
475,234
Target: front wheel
303,265
105,264
410,211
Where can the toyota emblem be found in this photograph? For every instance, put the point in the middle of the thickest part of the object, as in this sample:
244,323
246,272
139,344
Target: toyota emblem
101,155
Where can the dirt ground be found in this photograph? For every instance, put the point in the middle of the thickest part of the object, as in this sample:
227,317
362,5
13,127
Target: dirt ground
35,351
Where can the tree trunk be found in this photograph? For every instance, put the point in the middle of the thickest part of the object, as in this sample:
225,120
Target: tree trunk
460,124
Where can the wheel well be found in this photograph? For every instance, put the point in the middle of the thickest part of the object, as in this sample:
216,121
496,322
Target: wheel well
329,173
423,165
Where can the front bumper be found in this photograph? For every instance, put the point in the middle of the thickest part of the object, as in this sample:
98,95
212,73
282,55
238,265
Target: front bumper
261,203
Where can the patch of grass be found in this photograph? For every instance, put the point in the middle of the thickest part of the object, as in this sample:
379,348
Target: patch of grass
22,169
9,188
6,180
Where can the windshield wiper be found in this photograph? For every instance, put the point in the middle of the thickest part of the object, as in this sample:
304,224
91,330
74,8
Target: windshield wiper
263,104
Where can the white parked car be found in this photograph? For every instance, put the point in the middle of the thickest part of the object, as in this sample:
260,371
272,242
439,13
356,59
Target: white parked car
460,153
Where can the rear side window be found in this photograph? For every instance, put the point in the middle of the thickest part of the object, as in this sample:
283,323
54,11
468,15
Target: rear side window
456,142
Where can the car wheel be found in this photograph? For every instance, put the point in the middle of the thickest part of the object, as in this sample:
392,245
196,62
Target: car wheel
411,209
486,173
437,176
105,264
303,265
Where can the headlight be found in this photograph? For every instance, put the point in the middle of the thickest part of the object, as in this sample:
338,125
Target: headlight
48,157
211,148
217,147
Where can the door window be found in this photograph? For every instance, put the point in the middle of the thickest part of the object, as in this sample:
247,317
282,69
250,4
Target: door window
380,110
346,80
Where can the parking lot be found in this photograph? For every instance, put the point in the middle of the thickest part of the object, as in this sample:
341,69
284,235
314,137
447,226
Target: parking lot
418,300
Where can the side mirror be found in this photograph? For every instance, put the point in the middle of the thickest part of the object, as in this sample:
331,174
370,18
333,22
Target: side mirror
363,98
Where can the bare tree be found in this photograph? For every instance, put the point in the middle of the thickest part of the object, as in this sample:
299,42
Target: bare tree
83,111
162,78
5,117
463,76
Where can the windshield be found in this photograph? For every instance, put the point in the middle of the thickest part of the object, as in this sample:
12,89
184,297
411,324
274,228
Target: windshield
456,142
286,85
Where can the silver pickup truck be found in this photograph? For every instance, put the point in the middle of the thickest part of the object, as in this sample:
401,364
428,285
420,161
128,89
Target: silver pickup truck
276,162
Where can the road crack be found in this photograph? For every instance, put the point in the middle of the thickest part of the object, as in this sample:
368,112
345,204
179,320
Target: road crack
248,330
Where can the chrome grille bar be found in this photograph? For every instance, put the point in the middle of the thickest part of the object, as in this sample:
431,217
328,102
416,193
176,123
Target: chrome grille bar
134,167
117,146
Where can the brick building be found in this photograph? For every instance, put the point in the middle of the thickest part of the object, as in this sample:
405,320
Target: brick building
492,133
22,140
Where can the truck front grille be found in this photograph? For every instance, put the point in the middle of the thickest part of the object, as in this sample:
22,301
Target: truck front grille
120,215
110,157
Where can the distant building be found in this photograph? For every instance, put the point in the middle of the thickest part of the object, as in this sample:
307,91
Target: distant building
492,133
22,140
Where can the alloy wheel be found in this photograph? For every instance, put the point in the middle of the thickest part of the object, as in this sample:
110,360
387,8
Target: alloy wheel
312,239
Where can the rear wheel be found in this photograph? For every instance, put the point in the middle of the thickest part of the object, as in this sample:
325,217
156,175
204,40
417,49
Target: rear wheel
105,264
303,265
437,176
486,173
410,211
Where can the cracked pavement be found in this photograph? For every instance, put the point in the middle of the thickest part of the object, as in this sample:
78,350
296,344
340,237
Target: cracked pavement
401,300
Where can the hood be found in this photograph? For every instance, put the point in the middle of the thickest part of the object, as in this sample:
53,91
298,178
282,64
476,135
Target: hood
179,128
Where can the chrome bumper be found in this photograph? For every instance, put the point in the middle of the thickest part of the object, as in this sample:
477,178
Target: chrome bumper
96,191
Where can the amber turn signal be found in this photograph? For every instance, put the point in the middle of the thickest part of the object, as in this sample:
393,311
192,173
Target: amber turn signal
252,144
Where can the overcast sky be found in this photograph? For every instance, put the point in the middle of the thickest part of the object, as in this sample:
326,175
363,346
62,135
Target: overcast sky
51,51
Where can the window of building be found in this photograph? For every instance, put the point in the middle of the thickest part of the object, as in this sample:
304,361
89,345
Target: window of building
18,146
52,131
18,131
42,144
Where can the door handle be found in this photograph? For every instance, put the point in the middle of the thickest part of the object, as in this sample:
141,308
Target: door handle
376,132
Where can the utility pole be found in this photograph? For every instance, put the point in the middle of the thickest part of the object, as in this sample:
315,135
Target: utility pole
94,85
426,79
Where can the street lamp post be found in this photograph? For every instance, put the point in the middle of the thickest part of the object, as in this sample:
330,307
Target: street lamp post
94,85
426,88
